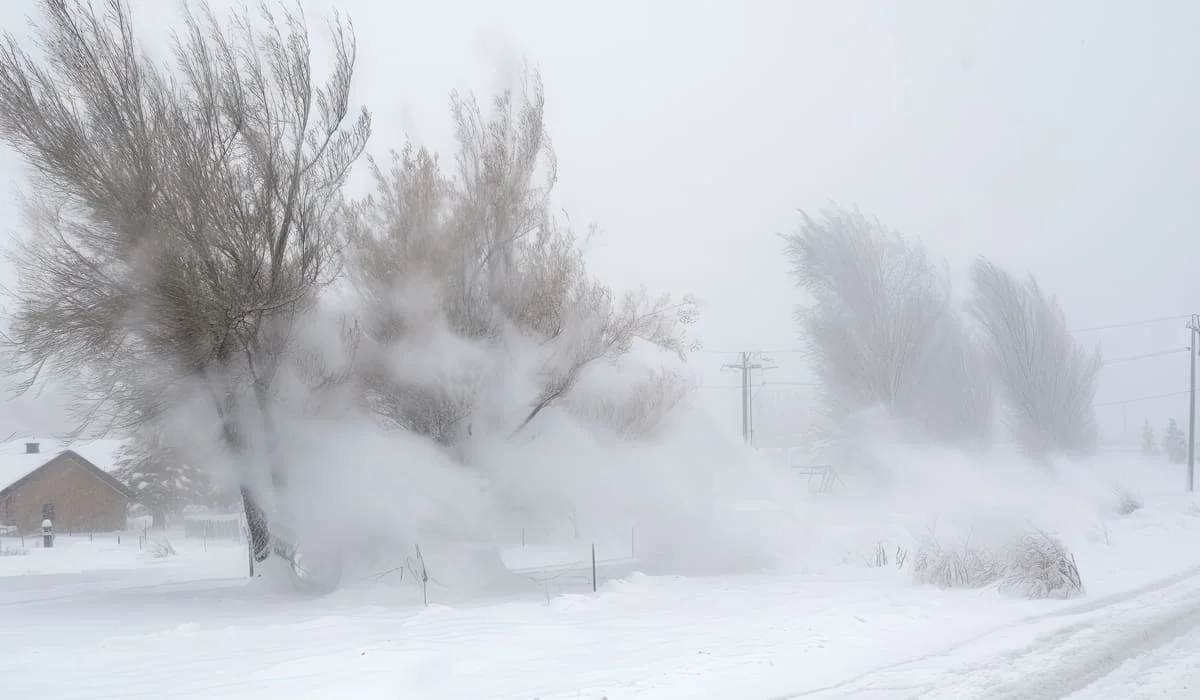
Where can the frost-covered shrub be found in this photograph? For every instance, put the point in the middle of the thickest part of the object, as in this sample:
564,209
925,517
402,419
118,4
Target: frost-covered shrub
1034,564
160,549
1127,501
881,557
1038,565
962,566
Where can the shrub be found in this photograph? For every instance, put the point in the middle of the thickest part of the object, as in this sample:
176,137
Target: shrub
1127,501
966,566
1034,565
161,549
880,558
1038,565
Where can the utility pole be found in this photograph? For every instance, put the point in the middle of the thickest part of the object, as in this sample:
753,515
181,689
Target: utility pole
746,364
1194,327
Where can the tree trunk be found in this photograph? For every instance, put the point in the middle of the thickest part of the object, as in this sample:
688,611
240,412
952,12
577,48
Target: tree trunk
256,516
158,519
256,522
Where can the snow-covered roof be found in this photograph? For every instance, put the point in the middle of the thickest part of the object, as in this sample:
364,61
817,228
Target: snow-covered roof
16,464
102,453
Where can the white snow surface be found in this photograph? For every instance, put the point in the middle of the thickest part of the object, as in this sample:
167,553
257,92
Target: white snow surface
98,618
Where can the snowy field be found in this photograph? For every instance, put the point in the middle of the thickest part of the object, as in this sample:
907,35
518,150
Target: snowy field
93,618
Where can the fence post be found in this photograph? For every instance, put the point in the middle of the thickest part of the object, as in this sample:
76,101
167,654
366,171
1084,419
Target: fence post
593,567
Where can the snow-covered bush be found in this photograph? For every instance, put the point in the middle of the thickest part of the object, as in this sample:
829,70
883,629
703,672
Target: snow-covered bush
1127,501
160,549
964,566
1038,565
1034,564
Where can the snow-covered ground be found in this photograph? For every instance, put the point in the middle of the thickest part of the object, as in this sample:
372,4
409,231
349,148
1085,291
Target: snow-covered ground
94,618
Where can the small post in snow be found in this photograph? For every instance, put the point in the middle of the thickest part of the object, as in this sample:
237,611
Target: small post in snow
593,567
47,533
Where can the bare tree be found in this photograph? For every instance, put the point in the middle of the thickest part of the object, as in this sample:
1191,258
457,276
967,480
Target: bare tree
182,216
880,326
479,256
1047,379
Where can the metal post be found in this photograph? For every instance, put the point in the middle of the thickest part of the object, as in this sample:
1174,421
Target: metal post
746,397
1194,327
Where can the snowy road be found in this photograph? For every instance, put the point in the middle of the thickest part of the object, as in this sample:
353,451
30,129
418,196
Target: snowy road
1143,644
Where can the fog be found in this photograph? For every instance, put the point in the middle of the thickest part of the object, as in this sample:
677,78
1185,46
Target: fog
1055,142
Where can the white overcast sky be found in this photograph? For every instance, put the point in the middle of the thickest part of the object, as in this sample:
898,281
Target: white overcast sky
1058,137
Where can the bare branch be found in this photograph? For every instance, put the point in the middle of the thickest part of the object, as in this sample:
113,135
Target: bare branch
480,254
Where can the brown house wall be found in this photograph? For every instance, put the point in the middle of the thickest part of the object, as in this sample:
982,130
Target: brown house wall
83,502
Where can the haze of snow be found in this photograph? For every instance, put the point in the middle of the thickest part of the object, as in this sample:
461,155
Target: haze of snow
690,500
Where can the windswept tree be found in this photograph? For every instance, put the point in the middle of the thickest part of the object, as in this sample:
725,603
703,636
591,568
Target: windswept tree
475,260
182,213
1047,378
880,327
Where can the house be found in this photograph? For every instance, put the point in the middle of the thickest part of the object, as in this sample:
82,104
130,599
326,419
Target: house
70,486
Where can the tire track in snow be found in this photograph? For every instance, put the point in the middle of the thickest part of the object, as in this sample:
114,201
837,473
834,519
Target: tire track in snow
1080,657
1165,623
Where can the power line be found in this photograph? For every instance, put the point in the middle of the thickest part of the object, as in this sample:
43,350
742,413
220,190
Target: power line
1089,329
783,351
1132,324
1139,399
759,385
1144,356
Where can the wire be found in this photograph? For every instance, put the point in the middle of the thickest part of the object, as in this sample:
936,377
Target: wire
1131,324
758,385
1144,356
1089,329
750,352
1142,398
